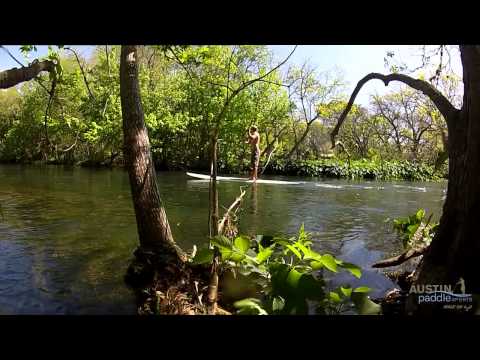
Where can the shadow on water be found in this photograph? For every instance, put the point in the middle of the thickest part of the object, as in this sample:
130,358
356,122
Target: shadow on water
66,234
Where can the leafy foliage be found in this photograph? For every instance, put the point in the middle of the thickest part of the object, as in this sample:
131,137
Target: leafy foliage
184,89
289,273
357,169
407,228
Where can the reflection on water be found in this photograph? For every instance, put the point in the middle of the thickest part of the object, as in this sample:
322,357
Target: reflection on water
66,234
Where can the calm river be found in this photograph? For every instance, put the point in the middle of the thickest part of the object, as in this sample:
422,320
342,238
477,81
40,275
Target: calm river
67,234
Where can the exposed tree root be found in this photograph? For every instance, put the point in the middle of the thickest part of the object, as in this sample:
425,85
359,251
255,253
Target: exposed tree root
165,289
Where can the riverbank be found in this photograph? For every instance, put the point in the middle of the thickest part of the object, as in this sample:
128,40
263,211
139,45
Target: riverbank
357,169
326,168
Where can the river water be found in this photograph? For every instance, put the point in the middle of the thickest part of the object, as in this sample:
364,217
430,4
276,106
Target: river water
67,234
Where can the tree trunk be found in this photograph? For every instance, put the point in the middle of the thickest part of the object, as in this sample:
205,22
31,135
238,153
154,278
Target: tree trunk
152,223
455,250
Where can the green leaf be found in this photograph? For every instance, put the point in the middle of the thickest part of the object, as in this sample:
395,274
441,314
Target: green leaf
247,302
353,269
242,243
278,304
231,254
420,214
362,289
329,262
412,228
250,306
307,253
225,253
316,265
346,291
264,254
237,257
293,278
203,256
364,305
295,251
335,297
221,241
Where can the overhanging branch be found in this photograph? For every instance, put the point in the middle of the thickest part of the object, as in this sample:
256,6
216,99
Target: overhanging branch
15,76
440,101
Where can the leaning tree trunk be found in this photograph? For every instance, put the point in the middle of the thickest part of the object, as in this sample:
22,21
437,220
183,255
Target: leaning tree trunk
152,223
454,252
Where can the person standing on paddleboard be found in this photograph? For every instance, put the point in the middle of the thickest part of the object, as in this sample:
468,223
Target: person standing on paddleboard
254,141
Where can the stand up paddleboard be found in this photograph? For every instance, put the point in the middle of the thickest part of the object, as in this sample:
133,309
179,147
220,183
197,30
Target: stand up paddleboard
238,179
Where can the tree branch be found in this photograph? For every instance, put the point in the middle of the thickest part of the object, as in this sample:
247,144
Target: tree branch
12,77
440,101
83,72
221,224
13,57
400,259
244,85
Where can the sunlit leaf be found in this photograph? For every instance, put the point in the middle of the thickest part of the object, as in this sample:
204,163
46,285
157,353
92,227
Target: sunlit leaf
203,256
346,291
295,251
353,269
329,262
362,289
242,243
334,297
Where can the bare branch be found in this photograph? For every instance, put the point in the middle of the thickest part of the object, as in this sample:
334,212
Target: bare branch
221,224
440,101
276,83
83,72
13,57
74,144
47,110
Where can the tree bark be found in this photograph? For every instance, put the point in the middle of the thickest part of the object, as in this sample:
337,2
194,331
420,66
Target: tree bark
152,224
12,77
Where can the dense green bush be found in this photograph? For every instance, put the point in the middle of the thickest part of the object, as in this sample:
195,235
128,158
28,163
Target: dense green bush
355,169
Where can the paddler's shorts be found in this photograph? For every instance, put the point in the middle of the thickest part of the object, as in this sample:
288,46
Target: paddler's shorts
255,157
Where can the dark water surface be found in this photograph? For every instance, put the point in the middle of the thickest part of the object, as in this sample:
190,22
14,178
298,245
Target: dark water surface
67,234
